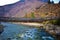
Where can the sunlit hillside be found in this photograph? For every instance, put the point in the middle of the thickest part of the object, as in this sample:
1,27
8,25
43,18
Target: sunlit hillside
47,10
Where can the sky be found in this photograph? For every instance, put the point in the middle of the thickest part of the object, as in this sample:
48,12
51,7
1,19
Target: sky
5,2
55,1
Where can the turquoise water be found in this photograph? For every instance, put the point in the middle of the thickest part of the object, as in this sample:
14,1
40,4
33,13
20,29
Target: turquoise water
21,32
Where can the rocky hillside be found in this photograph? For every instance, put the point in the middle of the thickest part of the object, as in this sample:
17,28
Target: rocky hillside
30,9
47,10
20,8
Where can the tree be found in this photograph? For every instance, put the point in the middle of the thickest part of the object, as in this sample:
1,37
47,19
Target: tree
59,2
32,15
58,22
49,1
52,2
55,22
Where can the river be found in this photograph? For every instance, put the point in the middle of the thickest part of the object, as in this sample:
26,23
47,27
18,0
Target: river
22,32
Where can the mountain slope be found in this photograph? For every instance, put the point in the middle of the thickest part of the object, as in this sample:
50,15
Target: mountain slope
47,10
19,9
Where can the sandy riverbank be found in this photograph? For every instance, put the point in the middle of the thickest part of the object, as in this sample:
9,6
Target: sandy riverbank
30,24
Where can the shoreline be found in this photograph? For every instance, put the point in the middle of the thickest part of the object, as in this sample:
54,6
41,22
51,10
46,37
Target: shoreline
30,24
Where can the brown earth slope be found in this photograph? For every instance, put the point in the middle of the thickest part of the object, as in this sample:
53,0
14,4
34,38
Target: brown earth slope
47,10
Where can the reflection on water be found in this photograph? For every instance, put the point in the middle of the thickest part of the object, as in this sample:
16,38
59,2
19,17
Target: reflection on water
21,32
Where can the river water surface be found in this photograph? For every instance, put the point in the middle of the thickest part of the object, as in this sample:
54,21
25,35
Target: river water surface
21,32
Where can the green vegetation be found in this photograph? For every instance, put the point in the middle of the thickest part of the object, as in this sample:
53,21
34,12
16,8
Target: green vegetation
55,22
32,15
